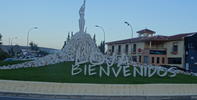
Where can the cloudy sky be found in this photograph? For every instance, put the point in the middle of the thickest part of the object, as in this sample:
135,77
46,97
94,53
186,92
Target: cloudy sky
55,18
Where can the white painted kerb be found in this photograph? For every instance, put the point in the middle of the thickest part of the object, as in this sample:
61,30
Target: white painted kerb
98,89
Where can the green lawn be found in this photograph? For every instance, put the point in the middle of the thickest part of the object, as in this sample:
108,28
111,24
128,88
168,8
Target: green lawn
62,73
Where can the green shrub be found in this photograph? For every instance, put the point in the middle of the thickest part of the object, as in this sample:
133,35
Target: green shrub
3,55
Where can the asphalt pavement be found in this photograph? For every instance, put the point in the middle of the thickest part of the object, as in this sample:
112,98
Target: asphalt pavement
23,98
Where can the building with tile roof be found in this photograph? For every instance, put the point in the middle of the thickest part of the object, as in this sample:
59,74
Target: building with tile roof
161,50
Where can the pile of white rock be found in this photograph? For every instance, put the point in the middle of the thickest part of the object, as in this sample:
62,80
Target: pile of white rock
79,48
47,60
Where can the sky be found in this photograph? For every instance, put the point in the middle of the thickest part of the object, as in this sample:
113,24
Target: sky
55,18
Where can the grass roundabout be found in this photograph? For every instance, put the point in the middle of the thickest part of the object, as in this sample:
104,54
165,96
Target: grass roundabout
61,73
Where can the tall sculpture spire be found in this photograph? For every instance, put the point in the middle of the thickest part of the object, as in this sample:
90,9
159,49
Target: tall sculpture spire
82,19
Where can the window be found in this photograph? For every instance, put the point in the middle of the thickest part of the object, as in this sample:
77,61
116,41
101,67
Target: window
134,48
190,45
163,60
146,59
153,60
158,60
119,48
112,49
134,58
140,59
126,48
174,61
175,47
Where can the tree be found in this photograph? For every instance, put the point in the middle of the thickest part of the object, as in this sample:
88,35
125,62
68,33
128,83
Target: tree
94,38
15,51
64,44
1,39
3,55
68,38
102,47
33,46
72,34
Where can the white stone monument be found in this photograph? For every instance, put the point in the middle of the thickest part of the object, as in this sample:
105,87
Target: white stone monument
82,49
78,49
82,19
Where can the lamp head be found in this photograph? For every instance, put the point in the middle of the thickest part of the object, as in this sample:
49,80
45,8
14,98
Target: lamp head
127,23
35,27
97,26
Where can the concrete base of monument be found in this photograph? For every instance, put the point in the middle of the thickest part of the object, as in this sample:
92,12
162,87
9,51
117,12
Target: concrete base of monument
72,90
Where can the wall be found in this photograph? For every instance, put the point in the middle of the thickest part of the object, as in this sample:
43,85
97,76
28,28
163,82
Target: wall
180,53
123,48
167,45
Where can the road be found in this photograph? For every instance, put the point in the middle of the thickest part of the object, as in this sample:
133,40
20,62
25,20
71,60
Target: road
22,98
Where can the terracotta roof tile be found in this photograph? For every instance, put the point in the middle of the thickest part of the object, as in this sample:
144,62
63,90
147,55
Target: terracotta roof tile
146,31
139,39
179,36
153,38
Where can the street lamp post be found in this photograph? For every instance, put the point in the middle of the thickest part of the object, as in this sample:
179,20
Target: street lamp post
130,27
128,24
101,29
104,34
11,41
31,29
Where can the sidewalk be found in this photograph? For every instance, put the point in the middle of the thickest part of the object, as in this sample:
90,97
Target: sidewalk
98,89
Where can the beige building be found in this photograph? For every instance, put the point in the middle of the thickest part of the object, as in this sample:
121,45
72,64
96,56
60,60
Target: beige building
153,49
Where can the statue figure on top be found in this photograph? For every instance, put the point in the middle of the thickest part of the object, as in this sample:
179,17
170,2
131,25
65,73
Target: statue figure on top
82,19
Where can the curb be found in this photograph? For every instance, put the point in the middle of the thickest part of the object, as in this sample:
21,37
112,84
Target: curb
86,97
